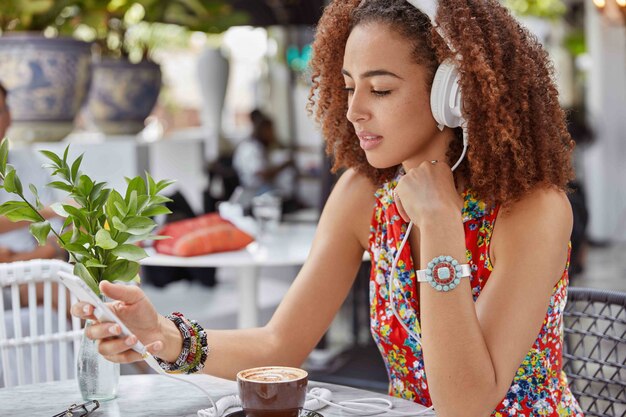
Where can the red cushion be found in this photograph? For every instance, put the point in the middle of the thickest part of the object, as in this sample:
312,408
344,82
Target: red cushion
201,235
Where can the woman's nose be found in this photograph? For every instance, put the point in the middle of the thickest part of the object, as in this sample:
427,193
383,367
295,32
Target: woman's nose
357,111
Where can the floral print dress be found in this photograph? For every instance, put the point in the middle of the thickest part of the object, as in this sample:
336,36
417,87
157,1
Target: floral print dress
539,387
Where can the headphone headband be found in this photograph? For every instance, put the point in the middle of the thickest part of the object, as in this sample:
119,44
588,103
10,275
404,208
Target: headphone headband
428,7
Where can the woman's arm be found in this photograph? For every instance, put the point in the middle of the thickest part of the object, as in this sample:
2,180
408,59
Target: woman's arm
50,250
303,316
472,350
7,225
315,296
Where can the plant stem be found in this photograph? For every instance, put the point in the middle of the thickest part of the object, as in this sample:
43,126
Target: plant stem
42,218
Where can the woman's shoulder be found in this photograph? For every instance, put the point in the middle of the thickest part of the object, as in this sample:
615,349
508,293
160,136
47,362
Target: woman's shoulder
351,204
543,202
356,183
541,218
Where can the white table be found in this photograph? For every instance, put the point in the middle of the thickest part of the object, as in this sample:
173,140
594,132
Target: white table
288,245
154,395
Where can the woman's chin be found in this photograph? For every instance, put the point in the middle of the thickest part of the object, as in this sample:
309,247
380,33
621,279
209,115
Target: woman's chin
380,163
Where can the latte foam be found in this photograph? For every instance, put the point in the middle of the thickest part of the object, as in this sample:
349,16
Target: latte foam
272,374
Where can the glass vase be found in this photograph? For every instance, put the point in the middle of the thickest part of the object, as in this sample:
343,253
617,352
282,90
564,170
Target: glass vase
97,377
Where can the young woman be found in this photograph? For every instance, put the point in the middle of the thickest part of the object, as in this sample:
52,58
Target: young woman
482,334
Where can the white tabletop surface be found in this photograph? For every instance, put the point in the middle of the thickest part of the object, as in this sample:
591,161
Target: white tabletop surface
153,395
289,244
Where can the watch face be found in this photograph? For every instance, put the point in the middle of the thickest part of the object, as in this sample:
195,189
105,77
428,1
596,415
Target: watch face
443,273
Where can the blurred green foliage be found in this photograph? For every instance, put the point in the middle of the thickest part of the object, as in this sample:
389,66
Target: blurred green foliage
134,28
550,9
31,15
122,28
575,42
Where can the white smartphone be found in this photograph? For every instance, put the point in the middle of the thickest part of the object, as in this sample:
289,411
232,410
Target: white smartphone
102,311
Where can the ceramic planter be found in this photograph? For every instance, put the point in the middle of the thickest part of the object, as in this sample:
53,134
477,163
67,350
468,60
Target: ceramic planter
122,95
47,80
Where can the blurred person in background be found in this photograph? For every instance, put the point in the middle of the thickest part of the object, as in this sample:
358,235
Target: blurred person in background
16,242
257,174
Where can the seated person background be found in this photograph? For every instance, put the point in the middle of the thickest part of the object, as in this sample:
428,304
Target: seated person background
16,242
257,174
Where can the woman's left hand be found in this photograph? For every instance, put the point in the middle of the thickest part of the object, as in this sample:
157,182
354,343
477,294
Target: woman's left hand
427,192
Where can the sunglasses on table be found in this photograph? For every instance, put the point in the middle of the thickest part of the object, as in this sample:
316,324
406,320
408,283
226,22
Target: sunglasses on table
78,410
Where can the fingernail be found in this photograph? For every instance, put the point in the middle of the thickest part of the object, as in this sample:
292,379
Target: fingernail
157,346
130,340
86,309
115,329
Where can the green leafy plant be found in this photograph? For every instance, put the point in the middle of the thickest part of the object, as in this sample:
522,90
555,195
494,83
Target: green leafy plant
101,229
32,15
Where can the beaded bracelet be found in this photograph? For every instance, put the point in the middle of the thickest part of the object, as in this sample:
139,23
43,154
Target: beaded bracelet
194,351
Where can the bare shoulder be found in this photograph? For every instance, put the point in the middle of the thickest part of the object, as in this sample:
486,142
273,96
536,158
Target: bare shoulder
542,206
543,218
351,205
356,186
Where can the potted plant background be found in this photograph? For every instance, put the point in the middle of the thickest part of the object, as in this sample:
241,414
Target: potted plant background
100,233
125,86
46,72
126,79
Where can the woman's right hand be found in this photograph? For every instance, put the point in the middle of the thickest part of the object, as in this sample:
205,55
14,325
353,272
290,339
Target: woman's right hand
138,314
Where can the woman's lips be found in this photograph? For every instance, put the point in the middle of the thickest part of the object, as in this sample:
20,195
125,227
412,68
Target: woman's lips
369,141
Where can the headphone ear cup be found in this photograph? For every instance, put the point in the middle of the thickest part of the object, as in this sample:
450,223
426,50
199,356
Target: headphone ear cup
445,96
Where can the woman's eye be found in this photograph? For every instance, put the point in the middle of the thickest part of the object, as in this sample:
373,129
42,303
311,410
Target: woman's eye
381,93
349,89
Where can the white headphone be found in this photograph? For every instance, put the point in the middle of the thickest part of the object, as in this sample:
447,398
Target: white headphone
445,95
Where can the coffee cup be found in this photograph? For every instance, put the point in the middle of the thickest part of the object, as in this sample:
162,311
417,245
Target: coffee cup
272,391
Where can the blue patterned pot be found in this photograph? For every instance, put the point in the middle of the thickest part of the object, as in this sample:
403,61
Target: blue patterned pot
47,80
122,95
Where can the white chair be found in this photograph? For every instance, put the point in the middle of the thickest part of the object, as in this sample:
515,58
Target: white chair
37,343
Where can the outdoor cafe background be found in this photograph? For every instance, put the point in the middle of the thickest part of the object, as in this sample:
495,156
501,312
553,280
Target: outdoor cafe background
210,82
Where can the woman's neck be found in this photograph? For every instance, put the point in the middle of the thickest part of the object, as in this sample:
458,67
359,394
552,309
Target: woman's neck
435,150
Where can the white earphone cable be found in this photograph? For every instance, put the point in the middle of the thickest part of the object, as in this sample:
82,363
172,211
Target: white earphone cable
392,273
465,142
152,363
365,406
